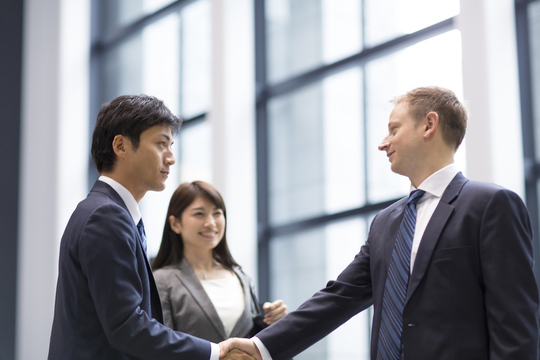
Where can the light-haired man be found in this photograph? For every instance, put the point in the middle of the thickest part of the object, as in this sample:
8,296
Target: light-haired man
449,269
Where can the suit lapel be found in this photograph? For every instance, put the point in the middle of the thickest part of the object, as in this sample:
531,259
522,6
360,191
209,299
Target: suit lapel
193,285
433,232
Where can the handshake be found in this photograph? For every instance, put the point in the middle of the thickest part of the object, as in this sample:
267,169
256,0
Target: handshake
245,349
239,349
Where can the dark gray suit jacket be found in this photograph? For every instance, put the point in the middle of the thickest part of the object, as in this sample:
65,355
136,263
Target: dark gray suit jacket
107,305
472,294
187,307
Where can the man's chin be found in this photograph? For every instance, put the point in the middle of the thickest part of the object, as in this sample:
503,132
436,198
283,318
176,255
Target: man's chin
397,170
158,187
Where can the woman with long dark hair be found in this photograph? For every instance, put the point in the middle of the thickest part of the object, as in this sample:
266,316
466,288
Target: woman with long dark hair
203,290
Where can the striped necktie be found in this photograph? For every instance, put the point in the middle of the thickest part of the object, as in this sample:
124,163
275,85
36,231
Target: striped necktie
395,290
142,233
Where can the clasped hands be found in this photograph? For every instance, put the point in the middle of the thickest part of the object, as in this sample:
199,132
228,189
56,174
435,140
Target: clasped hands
239,349
245,349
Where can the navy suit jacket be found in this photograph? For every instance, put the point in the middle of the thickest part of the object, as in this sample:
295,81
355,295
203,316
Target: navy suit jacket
472,293
107,304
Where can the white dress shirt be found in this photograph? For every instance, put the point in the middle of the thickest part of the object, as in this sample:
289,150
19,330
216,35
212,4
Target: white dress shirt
133,208
434,186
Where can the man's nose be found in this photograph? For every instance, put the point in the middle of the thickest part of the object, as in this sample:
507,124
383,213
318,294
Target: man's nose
384,144
169,159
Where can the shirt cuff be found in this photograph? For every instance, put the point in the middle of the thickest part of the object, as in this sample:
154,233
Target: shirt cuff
214,352
262,349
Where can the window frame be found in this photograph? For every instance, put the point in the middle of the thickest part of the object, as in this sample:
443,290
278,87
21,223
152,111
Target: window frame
530,161
104,41
265,91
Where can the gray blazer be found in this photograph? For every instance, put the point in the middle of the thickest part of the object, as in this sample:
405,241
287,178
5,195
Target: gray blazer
187,307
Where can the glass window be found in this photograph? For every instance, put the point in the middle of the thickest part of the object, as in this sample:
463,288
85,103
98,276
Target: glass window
196,66
120,13
534,33
195,158
325,104
302,263
316,151
169,59
388,19
302,35
146,62
166,56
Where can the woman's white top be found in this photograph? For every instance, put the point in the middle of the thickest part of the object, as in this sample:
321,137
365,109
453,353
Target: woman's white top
227,296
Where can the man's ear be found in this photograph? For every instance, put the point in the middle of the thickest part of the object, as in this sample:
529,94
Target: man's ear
119,145
175,224
431,123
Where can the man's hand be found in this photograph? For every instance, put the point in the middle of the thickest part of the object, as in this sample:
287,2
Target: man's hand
244,345
237,355
274,311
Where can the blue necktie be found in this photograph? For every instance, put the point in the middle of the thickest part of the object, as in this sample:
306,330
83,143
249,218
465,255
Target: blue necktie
142,233
395,289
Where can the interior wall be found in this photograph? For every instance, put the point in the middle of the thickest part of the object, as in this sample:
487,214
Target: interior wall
232,116
11,19
491,90
53,158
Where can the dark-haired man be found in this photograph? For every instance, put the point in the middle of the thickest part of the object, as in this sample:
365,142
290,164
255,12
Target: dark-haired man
449,269
107,304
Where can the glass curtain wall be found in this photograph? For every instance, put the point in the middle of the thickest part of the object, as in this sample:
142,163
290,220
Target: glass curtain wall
160,48
326,71
528,39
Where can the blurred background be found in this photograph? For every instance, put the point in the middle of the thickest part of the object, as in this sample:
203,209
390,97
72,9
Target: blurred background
284,103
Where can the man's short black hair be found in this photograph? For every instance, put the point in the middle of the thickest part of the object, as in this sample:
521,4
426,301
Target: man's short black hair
127,115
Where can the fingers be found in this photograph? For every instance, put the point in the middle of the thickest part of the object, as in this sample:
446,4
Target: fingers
274,311
244,345
237,355
225,347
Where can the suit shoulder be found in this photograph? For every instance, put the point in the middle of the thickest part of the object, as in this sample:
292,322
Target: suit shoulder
164,276
482,186
166,272
395,206
100,205
476,188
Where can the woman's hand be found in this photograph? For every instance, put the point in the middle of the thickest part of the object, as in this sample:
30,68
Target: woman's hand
274,311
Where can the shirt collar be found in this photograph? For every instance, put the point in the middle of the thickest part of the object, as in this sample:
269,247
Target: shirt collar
437,182
128,198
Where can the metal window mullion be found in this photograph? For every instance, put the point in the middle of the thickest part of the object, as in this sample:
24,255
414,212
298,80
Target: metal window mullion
532,167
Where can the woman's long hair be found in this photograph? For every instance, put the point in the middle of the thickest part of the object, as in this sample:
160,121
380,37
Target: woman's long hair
171,250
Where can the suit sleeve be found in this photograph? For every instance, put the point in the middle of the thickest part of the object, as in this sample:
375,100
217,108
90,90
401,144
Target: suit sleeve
511,293
329,308
117,283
